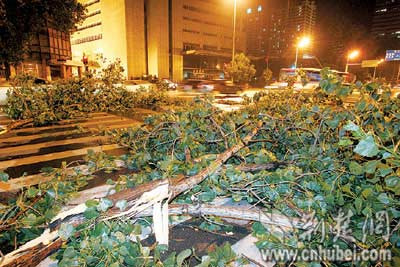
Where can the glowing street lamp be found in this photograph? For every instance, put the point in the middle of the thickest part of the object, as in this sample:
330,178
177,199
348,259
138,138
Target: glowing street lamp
352,55
303,43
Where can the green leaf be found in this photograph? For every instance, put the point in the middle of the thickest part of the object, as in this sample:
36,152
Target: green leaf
29,220
370,166
91,213
32,192
4,177
356,168
104,204
66,231
345,142
182,256
383,197
367,147
121,204
358,204
393,183
205,261
237,197
350,126
367,192
170,261
101,229
91,203
207,196
347,188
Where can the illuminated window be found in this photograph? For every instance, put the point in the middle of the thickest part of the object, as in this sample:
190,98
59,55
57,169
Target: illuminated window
381,10
259,9
249,11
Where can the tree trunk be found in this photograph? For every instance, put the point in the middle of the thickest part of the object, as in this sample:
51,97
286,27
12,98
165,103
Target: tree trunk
7,70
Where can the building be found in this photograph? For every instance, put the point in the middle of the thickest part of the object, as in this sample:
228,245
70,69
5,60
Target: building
107,34
48,56
207,31
300,22
386,21
165,38
257,25
277,43
273,27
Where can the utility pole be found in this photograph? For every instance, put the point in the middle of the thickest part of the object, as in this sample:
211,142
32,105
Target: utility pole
234,30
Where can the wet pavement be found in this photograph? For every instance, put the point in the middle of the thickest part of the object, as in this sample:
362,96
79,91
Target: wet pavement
27,150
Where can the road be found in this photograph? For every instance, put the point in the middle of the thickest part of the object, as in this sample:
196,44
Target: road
232,100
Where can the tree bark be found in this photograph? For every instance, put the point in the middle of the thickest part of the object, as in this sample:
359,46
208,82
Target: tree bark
7,70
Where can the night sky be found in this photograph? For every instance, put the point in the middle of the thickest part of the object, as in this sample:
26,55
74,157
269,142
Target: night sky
358,11
343,25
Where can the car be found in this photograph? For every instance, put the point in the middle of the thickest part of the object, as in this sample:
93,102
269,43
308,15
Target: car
171,85
221,86
191,84
206,86
313,75
396,91
135,85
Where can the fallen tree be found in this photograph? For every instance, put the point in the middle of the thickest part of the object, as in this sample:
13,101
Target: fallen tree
138,200
311,159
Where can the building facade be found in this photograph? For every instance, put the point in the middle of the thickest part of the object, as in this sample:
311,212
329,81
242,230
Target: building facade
386,22
163,38
273,27
48,56
257,25
300,22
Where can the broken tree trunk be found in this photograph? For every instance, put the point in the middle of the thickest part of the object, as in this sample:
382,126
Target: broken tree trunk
232,212
14,185
139,199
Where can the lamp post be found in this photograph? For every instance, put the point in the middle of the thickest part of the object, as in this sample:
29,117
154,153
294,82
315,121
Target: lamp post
352,55
234,30
304,42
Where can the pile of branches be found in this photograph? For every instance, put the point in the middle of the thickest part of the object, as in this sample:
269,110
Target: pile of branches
308,158
68,99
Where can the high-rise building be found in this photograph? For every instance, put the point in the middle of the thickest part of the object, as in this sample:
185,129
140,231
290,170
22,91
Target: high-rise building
165,38
386,22
273,27
277,44
300,22
257,22
112,29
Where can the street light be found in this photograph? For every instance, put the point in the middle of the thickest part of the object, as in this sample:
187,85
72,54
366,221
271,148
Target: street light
234,30
352,55
303,43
